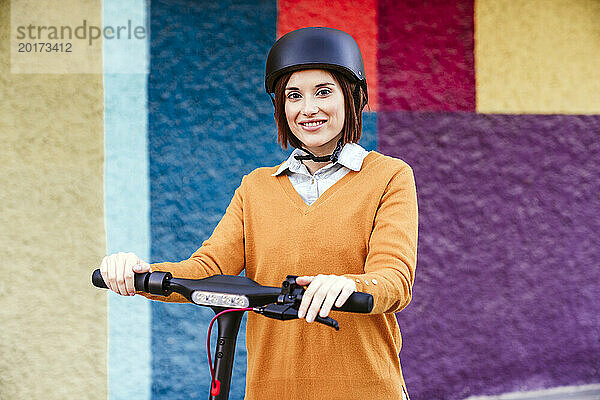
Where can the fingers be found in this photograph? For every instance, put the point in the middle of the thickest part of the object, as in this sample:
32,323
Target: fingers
110,271
322,293
130,260
104,271
118,272
304,280
334,291
346,292
317,299
141,267
307,297
129,282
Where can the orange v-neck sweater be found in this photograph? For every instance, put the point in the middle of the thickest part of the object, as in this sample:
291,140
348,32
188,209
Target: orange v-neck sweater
363,227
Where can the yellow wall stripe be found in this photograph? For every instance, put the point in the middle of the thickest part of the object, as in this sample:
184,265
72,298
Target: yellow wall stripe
537,56
54,323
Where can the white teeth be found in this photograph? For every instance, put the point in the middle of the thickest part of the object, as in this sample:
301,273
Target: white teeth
313,123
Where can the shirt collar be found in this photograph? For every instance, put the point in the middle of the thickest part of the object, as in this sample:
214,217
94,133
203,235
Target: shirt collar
351,156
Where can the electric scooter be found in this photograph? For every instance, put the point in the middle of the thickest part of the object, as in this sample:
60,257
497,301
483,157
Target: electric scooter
230,296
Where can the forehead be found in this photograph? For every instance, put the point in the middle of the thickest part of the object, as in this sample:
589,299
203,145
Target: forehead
310,77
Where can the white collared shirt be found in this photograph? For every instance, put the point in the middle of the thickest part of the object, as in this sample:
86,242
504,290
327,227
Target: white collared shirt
310,187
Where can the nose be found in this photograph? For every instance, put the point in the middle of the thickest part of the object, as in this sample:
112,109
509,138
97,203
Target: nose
309,106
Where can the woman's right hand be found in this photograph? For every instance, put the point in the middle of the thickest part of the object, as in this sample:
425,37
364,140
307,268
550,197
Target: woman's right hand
117,271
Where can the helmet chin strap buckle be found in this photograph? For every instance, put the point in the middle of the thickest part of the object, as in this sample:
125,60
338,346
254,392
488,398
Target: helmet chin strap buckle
333,157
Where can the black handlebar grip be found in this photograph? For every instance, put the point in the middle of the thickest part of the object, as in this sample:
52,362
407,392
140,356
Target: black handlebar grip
139,281
358,302
97,280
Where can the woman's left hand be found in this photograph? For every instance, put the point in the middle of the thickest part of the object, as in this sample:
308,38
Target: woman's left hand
322,292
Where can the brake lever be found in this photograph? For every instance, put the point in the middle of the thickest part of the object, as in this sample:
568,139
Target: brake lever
328,321
286,312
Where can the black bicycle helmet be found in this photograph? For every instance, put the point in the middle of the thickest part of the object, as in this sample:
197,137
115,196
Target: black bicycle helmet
315,47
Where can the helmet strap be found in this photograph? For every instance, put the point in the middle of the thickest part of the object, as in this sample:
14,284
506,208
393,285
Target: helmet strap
333,157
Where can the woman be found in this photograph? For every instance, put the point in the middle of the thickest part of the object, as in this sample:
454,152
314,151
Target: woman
341,218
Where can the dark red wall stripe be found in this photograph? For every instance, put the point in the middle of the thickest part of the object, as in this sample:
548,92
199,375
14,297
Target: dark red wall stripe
425,55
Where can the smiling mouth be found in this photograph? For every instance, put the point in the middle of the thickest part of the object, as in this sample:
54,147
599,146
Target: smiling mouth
312,124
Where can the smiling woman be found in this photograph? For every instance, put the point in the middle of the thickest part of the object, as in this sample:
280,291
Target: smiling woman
341,222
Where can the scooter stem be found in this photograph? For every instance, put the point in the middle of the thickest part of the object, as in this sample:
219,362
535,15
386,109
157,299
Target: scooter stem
228,328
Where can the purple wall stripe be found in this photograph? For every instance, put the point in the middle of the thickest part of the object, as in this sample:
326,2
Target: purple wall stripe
506,292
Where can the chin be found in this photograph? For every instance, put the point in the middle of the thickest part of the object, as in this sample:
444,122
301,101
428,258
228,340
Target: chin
314,141
313,144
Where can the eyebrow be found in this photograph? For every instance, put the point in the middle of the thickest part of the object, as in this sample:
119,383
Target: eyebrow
319,85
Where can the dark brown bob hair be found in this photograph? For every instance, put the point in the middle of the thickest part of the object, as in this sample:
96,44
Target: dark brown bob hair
352,128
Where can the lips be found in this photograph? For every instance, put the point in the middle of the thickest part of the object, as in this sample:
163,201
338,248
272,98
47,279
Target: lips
312,125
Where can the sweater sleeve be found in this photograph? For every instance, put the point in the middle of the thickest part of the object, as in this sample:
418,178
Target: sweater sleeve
222,253
389,270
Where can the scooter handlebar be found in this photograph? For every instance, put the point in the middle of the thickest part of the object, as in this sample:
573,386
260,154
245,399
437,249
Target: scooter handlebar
358,302
154,283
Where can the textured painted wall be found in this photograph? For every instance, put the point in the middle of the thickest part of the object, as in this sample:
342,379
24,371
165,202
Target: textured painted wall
425,55
538,56
493,191
127,197
504,298
53,335
210,123
506,294
358,18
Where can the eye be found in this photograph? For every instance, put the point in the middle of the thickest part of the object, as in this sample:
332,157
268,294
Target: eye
324,91
293,95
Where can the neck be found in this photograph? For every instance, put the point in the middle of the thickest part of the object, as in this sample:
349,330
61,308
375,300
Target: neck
313,166
324,150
